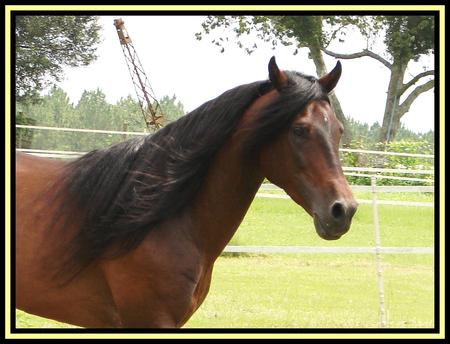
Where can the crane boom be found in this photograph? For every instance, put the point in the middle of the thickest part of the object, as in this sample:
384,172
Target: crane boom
152,113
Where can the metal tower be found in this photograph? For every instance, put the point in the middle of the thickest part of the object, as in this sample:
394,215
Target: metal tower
152,113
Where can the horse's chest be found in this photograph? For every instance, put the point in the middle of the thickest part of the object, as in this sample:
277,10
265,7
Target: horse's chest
203,286
200,292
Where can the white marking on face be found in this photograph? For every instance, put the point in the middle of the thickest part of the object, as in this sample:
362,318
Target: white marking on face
325,118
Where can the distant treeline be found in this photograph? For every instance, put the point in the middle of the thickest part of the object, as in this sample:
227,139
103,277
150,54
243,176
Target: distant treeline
92,111
367,135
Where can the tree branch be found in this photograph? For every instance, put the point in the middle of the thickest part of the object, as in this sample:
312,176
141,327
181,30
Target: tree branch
333,35
414,80
363,53
404,107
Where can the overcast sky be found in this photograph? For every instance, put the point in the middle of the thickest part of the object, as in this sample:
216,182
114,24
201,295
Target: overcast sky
195,71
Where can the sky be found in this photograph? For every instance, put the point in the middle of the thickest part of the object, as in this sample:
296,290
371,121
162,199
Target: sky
176,63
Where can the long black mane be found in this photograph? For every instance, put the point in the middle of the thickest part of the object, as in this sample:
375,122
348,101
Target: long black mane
123,191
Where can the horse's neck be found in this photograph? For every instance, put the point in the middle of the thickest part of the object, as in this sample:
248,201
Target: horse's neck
230,186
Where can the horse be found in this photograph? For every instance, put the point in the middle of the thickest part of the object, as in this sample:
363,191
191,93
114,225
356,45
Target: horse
127,236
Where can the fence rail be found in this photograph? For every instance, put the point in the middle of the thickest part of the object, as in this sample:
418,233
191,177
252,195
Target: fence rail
347,170
412,155
366,188
379,176
386,170
96,131
360,201
361,188
116,132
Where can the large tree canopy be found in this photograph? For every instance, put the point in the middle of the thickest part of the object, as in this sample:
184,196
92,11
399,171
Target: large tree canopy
296,31
406,38
45,44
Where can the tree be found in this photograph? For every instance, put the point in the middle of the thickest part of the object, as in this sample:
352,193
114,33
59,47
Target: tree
127,115
45,44
92,111
298,31
54,110
406,38
172,108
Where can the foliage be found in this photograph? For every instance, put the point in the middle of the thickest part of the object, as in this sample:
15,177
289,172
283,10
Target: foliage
91,112
368,135
171,108
406,39
296,31
391,161
412,163
45,44
407,141
24,136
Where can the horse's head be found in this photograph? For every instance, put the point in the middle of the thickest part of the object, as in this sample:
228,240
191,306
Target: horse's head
303,157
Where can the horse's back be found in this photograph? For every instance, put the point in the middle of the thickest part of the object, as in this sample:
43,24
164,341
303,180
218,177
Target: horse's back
34,177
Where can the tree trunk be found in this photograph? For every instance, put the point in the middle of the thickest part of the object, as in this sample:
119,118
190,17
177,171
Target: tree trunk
391,117
316,56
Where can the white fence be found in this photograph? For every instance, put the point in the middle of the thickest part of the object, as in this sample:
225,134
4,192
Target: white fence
378,250
374,189
326,249
361,188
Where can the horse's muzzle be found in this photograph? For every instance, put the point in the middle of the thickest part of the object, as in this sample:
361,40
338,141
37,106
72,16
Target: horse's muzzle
336,220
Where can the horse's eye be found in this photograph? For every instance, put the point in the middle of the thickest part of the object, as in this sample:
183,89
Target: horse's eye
300,130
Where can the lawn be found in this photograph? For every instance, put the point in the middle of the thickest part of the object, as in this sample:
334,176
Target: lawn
317,290
282,222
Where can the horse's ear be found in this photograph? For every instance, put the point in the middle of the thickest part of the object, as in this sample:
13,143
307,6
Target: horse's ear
329,81
277,77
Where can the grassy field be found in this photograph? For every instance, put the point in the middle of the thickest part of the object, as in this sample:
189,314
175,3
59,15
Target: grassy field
317,290
282,222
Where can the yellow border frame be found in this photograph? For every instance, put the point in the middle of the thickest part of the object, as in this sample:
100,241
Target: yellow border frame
191,8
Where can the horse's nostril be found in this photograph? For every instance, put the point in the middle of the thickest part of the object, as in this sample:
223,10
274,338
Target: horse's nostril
338,210
352,208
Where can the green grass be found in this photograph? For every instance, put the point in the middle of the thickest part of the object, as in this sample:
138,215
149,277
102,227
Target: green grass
317,290
25,320
282,222
387,196
398,196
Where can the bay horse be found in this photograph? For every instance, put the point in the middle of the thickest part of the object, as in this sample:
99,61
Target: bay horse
127,236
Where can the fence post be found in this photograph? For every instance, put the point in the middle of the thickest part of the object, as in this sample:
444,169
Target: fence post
378,254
